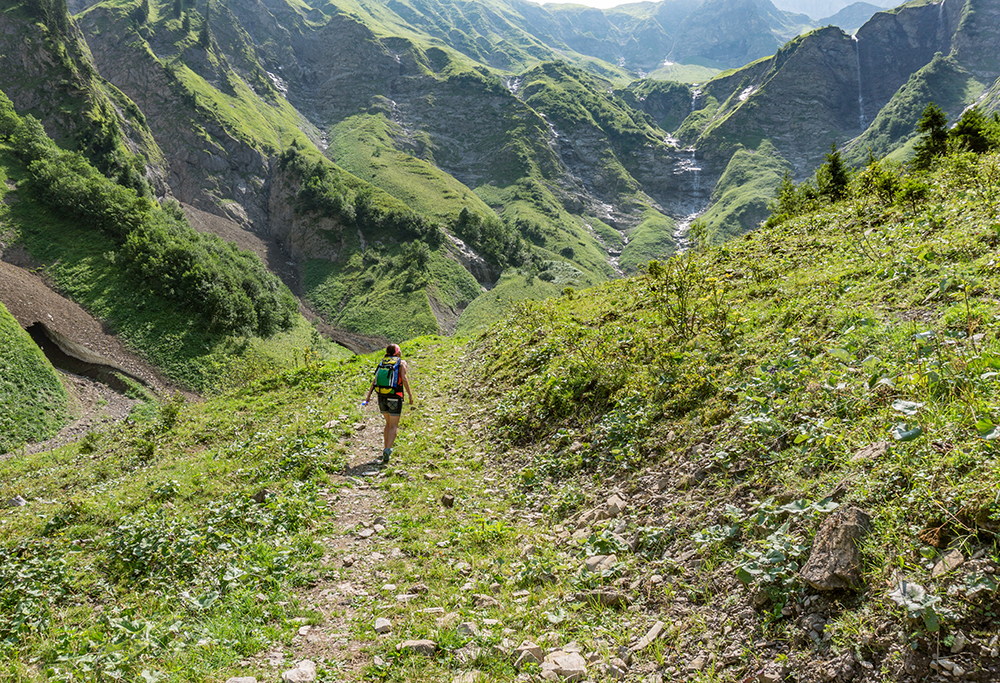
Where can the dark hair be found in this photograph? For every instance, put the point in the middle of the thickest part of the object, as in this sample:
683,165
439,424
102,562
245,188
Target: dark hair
393,350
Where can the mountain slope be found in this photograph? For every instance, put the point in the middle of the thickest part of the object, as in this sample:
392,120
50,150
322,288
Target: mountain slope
651,472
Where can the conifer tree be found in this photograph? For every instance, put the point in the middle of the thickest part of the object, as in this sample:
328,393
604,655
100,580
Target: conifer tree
178,8
832,177
972,132
205,36
934,142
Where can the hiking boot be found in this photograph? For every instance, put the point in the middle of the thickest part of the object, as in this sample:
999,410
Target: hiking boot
385,455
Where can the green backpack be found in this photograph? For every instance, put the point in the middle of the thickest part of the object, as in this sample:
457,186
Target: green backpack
387,375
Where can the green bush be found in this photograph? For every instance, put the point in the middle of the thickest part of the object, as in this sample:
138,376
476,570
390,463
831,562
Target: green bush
230,287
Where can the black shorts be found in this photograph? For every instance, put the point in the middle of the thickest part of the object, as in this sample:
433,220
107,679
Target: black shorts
390,403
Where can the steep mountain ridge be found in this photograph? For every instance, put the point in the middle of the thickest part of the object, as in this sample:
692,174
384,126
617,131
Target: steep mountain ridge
49,73
826,86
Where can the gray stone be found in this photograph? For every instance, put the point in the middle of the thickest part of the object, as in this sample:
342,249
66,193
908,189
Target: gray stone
600,563
304,672
570,666
873,452
950,560
382,625
448,501
655,631
615,506
420,647
467,629
242,679
696,664
484,601
526,657
532,650
605,597
959,644
835,562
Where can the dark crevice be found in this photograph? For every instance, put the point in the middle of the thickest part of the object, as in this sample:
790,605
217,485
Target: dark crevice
61,360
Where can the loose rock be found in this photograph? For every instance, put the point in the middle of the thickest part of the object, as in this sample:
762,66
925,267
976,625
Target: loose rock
600,563
304,672
652,634
382,625
570,666
835,562
420,647
950,560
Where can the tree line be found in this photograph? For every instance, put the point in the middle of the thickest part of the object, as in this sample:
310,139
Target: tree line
973,133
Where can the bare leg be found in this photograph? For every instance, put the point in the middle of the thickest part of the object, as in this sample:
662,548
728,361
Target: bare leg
389,433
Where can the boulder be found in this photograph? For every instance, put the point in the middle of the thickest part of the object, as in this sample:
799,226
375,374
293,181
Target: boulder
420,647
834,562
569,666
304,672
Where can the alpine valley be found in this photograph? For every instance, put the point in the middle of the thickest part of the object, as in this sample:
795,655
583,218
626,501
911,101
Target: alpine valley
411,166
698,300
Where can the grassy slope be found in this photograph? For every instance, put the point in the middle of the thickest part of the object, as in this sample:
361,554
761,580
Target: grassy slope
740,198
361,145
751,374
943,82
683,73
33,402
765,366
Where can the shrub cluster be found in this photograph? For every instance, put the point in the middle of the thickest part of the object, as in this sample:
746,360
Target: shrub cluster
323,191
230,288
974,132
493,239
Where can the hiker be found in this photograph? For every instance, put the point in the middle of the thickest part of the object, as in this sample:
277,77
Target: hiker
390,381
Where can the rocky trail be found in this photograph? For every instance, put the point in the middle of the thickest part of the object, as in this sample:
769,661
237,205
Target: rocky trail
436,568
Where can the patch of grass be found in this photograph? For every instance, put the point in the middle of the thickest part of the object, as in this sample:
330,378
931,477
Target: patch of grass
364,145
741,197
651,239
172,545
33,401
683,73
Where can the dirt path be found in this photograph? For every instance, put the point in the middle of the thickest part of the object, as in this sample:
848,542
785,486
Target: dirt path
355,551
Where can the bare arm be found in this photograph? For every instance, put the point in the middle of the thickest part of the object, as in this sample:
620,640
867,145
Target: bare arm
404,378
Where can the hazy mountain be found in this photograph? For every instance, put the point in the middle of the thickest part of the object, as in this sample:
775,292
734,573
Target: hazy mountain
851,17
823,8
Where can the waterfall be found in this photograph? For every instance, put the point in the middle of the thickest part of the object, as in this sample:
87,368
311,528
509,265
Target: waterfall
861,99
694,100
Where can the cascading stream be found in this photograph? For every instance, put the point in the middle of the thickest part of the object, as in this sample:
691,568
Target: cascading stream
861,99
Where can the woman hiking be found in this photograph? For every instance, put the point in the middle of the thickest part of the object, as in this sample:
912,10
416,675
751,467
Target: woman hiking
390,382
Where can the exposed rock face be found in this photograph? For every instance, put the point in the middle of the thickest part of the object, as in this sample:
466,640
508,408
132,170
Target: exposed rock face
893,45
210,167
835,561
51,77
802,99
